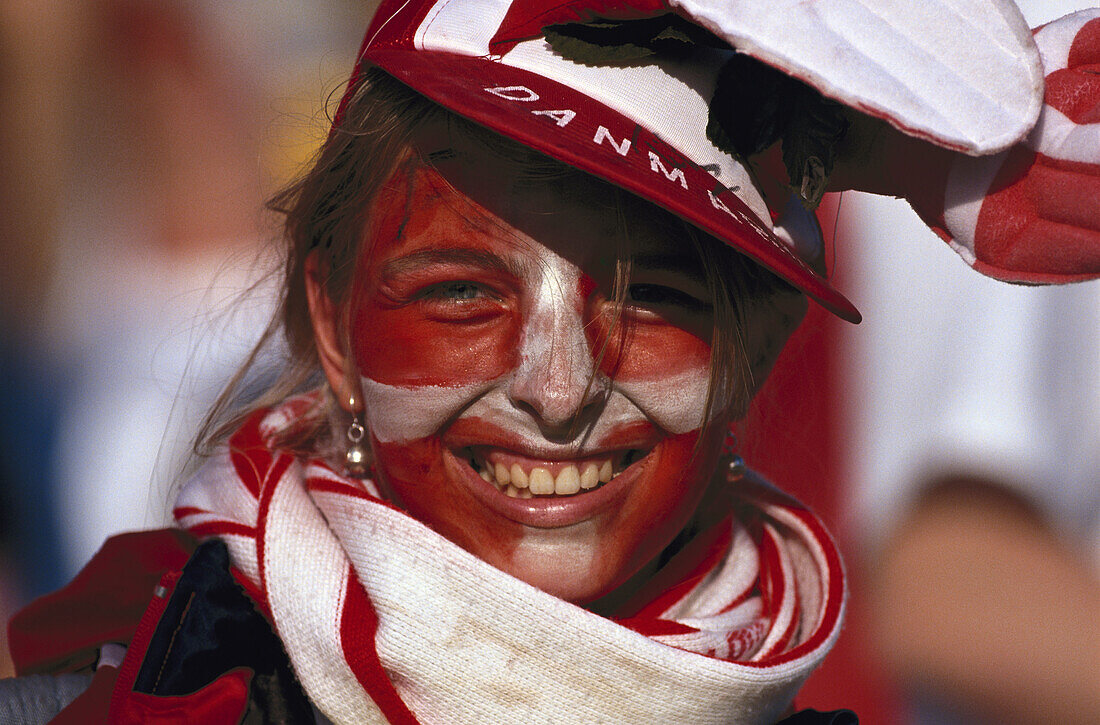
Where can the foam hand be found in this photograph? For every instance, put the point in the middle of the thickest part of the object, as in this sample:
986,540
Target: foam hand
1032,213
962,74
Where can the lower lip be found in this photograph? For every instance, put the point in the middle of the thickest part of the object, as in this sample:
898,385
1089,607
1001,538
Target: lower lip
550,512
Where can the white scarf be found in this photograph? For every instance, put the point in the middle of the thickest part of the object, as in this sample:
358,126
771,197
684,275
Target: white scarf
386,621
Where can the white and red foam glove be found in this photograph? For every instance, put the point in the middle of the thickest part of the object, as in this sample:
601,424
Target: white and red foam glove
1031,214
926,90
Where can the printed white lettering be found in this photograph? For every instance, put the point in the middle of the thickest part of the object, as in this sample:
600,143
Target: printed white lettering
656,164
602,133
721,206
562,118
514,93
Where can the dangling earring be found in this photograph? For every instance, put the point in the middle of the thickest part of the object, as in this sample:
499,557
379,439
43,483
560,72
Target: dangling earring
355,457
736,468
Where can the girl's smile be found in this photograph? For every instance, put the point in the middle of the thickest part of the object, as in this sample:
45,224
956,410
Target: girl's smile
512,404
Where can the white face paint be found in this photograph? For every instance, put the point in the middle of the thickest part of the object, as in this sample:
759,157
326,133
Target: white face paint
556,365
505,409
401,414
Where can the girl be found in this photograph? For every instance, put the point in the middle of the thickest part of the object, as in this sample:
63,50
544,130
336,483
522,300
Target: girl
532,278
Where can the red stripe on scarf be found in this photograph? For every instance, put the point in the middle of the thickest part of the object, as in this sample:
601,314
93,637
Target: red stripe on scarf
656,627
276,472
773,590
358,627
741,641
833,596
314,483
327,485
673,582
222,528
249,453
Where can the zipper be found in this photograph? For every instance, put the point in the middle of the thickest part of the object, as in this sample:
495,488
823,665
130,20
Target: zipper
135,654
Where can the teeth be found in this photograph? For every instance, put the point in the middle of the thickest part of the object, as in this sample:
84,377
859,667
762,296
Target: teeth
519,478
591,476
514,482
568,482
540,481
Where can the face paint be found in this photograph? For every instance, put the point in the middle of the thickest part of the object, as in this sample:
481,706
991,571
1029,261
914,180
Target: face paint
505,408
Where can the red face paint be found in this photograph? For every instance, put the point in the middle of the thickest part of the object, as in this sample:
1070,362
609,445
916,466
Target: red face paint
480,312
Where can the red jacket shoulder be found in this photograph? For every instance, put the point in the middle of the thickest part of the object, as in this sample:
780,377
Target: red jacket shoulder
62,631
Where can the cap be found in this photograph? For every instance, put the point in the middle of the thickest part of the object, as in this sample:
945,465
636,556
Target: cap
639,124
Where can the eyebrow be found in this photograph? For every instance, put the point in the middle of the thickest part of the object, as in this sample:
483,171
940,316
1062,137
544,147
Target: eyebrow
471,257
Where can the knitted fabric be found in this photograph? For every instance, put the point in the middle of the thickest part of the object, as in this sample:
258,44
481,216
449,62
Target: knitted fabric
386,621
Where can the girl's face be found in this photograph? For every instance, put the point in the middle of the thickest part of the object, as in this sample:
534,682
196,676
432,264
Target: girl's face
509,409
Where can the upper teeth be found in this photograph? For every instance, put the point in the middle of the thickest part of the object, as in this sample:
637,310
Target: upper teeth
516,482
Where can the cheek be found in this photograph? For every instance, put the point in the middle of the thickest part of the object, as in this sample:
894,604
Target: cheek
652,350
407,464
399,414
675,482
401,347
418,373
665,498
645,349
415,476
662,368
675,485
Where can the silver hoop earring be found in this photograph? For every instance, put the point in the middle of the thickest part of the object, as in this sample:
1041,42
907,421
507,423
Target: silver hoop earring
356,459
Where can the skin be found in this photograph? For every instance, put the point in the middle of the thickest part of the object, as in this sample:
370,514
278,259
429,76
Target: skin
978,601
481,325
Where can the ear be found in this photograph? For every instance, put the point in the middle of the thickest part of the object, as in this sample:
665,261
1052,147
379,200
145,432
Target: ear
769,329
338,367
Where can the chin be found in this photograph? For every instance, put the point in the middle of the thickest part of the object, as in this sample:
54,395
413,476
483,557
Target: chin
567,563
638,489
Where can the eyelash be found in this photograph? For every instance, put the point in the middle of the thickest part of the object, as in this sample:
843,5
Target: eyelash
466,301
656,295
440,291
459,301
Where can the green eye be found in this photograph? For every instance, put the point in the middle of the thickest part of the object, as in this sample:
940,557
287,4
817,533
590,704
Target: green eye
459,302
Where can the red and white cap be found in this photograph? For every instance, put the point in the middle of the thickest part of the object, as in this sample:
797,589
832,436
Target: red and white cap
642,126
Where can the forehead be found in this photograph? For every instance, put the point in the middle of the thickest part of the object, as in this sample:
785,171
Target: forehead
486,203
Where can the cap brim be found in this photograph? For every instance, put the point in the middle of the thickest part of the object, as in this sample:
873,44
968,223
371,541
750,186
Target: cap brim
512,101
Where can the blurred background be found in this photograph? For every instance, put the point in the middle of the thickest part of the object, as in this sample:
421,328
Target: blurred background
952,440
952,443
139,140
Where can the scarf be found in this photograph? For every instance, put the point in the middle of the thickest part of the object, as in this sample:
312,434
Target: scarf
386,621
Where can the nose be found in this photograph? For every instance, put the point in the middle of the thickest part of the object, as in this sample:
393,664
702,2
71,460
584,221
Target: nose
557,379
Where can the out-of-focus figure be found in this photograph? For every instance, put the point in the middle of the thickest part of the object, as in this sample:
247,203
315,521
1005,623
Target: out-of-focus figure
140,139
979,478
975,462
